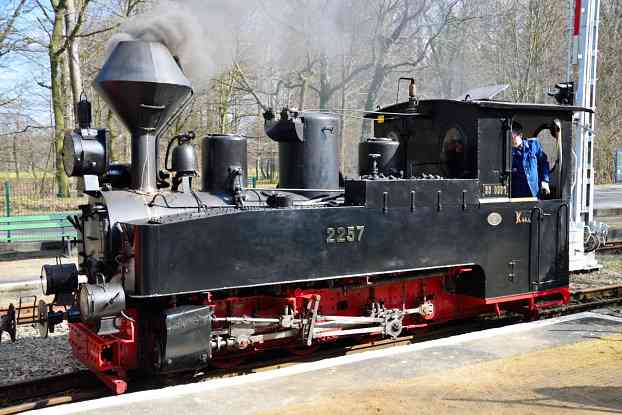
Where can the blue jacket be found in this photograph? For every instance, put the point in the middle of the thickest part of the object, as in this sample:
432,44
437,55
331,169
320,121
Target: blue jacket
530,167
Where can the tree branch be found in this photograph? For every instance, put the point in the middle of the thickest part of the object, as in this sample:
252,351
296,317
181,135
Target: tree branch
97,32
349,78
76,29
248,88
8,101
10,25
23,130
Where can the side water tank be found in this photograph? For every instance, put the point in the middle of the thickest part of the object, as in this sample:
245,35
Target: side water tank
389,162
221,155
308,150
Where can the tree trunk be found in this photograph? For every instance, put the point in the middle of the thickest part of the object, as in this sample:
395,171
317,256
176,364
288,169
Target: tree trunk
15,159
113,138
58,100
18,125
303,91
372,95
66,88
73,55
345,67
325,93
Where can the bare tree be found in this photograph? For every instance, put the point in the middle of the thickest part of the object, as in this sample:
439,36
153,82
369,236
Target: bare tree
336,55
609,102
8,22
11,40
59,42
402,37
73,55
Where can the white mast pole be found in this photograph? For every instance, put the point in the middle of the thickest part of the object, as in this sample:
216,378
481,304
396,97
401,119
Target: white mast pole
584,64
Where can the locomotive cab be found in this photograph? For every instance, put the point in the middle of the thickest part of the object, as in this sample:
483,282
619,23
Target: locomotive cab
458,156
470,140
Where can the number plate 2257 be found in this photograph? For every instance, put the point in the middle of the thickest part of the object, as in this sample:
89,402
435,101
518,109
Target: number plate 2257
344,234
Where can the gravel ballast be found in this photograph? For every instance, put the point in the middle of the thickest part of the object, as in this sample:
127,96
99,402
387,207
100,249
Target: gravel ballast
32,357
609,274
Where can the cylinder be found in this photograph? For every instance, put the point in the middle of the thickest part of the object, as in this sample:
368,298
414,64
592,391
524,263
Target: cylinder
389,163
144,166
314,162
97,301
221,154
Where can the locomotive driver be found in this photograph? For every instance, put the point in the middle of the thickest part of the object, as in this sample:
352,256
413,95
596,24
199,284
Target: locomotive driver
530,167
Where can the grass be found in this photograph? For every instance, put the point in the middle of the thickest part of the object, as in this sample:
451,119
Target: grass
23,175
27,205
32,196
611,263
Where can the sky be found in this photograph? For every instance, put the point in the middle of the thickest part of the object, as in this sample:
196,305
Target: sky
21,73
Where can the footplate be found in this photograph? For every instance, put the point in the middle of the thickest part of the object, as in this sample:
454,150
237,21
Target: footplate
109,356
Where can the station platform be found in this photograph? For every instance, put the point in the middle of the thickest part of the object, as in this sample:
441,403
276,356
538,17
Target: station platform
570,364
608,209
608,196
21,278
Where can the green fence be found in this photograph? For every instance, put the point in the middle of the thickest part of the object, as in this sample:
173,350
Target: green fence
253,182
30,211
35,197
51,227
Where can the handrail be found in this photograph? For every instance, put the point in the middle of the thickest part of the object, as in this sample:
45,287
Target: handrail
538,238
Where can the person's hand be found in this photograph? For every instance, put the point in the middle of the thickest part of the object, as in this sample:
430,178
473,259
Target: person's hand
545,188
554,128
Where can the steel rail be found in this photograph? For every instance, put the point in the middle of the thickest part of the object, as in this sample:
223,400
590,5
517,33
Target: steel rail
614,246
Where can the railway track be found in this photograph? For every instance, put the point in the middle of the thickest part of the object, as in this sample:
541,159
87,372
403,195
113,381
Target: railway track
50,391
29,311
83,385
610,247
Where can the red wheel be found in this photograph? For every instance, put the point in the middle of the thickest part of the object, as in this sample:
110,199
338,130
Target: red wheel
533,315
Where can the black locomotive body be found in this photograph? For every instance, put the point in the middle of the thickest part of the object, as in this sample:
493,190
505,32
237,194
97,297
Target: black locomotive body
429,232
407,224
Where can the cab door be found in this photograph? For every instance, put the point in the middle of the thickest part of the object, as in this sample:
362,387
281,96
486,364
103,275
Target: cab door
548,245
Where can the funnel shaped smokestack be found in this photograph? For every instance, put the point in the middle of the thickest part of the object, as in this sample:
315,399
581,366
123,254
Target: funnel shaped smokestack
144,85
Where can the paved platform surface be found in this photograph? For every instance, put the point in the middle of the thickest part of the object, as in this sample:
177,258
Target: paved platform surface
608,209
22,278
608,196
24,272
568,365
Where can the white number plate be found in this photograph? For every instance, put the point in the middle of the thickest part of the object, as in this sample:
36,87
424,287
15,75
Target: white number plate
344,234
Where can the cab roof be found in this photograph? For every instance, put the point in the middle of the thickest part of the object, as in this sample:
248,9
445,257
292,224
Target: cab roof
405,107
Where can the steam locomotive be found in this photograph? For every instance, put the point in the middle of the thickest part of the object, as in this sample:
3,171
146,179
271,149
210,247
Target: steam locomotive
172,279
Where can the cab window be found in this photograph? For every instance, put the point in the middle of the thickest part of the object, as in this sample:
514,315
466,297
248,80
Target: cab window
454,156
